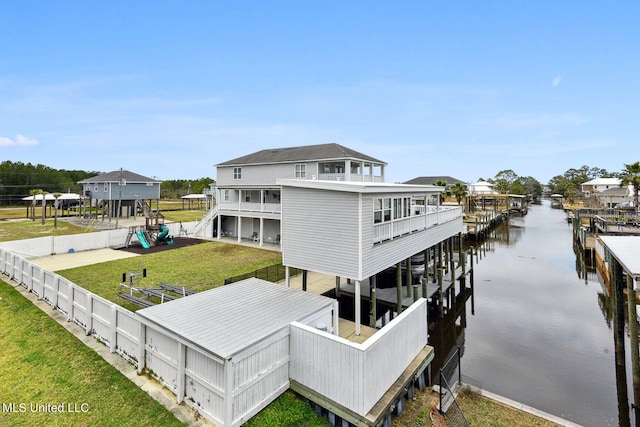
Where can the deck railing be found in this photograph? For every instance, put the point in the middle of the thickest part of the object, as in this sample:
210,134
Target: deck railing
357,375
252,207
427,218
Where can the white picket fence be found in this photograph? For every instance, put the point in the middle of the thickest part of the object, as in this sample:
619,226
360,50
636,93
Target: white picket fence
113,325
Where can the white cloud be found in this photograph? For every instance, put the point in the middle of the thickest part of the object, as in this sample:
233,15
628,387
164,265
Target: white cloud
556,81
20,140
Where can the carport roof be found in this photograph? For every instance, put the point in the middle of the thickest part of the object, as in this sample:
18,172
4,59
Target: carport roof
626,249
229,319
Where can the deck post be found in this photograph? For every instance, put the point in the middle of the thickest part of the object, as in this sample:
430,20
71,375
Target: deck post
337,286
633,332
358,307
435,263
408,277
441,294
373,313
287,276
304,280
399,288
451,262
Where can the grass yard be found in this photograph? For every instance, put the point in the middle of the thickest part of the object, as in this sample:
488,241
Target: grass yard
198,267
18,230
43,364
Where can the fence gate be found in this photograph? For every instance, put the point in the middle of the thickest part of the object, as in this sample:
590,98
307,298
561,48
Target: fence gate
451,373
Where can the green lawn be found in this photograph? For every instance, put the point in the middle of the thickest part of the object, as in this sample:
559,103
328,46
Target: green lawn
43,364
18,230
199,267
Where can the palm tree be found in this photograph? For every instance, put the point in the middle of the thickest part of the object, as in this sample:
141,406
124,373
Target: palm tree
445,193
630,175
33,193
459,191
44,205
55,221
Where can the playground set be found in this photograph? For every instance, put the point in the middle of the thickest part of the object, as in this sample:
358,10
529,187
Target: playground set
154,232
131,290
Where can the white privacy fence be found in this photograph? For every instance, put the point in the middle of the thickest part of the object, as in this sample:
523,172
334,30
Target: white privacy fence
356,375
51,245
113,325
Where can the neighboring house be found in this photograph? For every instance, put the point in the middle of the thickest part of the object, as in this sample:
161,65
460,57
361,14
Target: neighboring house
614,197
120,188
607,192
481,187
598,185
431,180
248,197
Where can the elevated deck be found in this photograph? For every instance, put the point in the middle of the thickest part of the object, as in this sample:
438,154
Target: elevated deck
412,377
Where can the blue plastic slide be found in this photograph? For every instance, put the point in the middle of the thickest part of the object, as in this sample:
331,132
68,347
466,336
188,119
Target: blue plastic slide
143,240
163,236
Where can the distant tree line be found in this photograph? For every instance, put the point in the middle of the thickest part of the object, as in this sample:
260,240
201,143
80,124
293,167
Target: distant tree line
174,189
17,179
509,182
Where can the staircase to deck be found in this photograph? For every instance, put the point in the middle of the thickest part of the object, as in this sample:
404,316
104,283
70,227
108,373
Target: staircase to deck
204,228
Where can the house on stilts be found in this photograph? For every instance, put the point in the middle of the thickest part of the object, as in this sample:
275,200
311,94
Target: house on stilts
329,210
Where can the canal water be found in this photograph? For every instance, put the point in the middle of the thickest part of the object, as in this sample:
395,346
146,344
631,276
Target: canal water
538,330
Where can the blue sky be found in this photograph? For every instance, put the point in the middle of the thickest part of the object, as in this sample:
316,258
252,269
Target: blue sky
168,89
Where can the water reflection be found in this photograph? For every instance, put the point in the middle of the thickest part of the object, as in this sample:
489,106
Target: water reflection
537,333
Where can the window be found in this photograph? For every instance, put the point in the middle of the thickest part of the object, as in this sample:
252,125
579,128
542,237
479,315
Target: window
301,171
237,173
106,187
381,210
95,189
226,195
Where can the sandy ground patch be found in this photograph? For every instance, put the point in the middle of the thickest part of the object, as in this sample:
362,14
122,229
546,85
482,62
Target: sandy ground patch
79,259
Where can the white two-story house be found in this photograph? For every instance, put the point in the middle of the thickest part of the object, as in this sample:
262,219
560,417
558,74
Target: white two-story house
249,197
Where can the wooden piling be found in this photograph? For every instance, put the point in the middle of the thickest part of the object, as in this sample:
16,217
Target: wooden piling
635,357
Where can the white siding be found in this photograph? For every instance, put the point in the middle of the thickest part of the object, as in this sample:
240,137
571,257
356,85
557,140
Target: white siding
261,175
312,214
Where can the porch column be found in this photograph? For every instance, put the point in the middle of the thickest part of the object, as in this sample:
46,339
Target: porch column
358,304
408,276
347,170
239,228
261,234
287,276
337,286
219,232
373,314
398,288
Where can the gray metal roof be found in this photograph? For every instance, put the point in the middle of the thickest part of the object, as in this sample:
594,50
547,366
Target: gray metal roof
115,177
626,249
228,319
431,180
304,153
